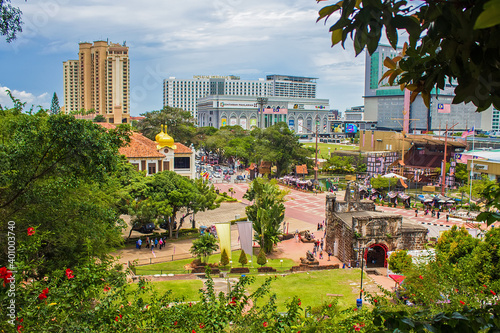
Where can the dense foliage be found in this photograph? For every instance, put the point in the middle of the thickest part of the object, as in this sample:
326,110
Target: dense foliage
204,246
447,41
267,211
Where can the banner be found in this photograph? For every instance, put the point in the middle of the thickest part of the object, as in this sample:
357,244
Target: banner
224,235
300,129
253,123
245,231
243,123
444,108
223,122
233,121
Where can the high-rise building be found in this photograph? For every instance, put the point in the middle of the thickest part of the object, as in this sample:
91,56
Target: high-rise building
180,93
184,94
292,86
99,80
385,103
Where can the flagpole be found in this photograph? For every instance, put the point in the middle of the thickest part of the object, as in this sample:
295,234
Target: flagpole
472,165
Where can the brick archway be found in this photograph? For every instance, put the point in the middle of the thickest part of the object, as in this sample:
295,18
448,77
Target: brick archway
377,256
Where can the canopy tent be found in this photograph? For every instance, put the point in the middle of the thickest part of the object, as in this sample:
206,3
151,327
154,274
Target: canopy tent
403,196
425,198
393,175
397,278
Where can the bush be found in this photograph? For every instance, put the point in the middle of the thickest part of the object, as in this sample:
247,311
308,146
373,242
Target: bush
261,258
224,258
400,261
243,260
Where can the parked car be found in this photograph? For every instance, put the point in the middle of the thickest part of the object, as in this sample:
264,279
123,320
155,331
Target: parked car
145,228
240,177
230,172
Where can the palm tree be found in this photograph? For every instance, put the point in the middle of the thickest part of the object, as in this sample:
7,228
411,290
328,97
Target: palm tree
204,246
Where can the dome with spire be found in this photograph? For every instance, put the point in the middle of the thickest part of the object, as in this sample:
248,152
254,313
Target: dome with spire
163,139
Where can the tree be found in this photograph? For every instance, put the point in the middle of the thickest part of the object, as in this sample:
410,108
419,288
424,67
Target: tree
180,124
99,119
383,182
224,258
479,187
54,107
261,258
447,41
10,20
400,261
279,145
243,260
267,211
204,246
59,171
456,244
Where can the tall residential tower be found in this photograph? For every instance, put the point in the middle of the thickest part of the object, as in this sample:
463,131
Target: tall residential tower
99,80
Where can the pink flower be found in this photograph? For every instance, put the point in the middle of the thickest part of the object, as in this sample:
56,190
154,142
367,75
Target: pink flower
69,273
31,231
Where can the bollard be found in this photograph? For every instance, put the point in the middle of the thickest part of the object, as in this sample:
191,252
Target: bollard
359,303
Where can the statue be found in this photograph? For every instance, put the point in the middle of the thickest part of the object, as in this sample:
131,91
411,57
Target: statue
309,256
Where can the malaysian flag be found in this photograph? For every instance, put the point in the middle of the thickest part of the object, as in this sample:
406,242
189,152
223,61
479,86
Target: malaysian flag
467,133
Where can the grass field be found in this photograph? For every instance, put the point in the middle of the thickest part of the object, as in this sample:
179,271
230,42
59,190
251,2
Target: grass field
177,267
323,148
311,287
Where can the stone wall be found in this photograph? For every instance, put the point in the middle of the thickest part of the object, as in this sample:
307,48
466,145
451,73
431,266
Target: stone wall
414,239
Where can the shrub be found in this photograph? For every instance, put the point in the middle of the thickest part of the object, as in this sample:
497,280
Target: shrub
243,258
400,261
224,258
261,258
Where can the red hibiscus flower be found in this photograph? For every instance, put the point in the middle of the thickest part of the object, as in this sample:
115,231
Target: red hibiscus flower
329,305
462,302
233,302
202,326
43,294
190,304
69,273
484,286
5,274
175,323
493,293
117,318
264,324
31,231
193,331
420,277
375,300
300,303
106,288
20,328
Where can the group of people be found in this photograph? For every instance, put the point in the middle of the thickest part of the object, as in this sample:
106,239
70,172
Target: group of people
434,213
151,243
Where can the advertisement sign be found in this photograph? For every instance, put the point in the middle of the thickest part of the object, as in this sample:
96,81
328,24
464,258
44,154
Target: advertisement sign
444,108
243,123
276,111
237,104
233,122
253,122
351,128
300,129
223,122
291,124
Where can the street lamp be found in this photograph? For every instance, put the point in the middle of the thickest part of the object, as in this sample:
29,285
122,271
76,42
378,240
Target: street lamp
359,301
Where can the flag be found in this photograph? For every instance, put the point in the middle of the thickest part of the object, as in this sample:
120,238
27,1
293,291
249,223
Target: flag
444,108
467,133
245,231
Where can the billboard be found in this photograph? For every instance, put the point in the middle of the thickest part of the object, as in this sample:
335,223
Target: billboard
243,123
291,124
300,129
351,128
253,122
233,122
276,110
223,122
237,104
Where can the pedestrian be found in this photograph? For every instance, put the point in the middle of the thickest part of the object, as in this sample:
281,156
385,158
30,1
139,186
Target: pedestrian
416,212
447,218
147,242
329,255
321,254
438,214
322,244
139,243
343,266
161,243
152,245
156,242
314,250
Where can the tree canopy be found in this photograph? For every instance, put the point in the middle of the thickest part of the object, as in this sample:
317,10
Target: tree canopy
10,20
448,41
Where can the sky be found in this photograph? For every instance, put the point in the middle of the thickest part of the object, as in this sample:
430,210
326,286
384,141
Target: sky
167,38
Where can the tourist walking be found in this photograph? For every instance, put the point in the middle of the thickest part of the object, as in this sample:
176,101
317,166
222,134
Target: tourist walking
139,243
147,242
161,243
321,244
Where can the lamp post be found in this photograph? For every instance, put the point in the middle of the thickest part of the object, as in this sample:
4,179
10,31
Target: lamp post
359,301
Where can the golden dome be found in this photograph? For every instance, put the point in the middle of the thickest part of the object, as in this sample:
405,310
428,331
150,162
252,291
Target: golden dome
163,139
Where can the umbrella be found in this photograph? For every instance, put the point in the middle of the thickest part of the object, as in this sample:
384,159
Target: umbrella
397,278
392,175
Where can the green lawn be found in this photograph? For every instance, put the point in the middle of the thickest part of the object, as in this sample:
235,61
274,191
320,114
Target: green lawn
177,267
312,287
323,148
180,288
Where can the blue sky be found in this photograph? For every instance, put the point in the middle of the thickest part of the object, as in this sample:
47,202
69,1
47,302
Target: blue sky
166,38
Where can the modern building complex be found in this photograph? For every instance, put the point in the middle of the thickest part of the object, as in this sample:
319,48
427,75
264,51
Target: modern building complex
298,113
99,80
180,93
385,104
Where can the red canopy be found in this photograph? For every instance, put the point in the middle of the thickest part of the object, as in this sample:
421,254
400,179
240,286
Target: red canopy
397,278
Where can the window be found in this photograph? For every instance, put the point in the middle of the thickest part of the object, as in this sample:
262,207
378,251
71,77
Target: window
151,168
182,162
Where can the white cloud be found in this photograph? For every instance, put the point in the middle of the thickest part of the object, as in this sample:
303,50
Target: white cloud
25,97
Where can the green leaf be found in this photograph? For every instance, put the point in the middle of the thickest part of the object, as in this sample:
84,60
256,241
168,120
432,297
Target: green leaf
336,36
328,11
490,15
